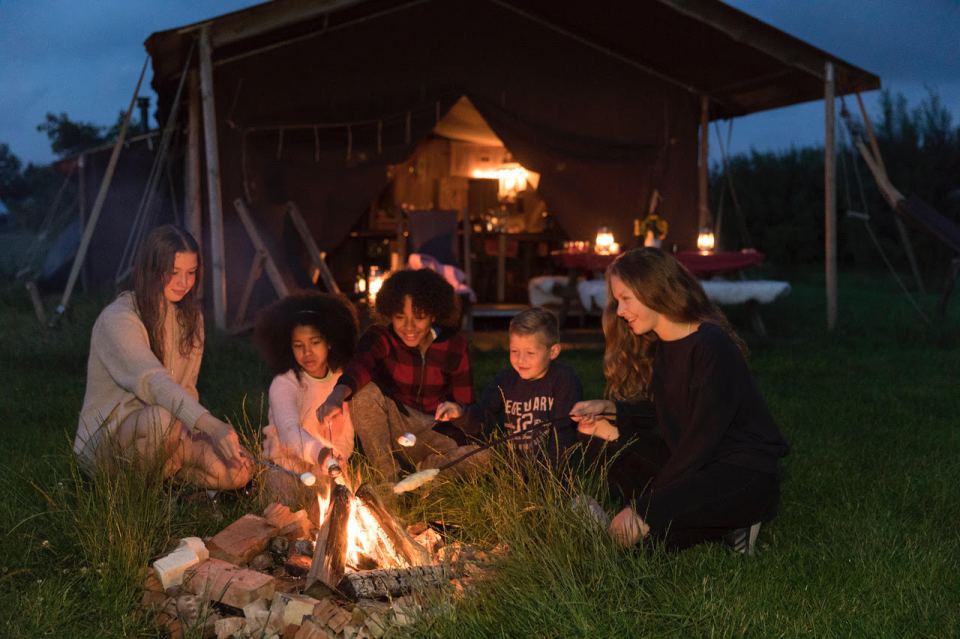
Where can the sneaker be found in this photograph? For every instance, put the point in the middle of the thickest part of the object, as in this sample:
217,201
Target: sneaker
743,540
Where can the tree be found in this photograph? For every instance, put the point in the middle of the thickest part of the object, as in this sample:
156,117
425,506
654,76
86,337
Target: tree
70,138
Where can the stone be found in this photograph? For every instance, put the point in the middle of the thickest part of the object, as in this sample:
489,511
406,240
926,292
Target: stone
303,547
429,539
220,581
417,528
150,582
196,545
262,562
278,546
324,610
311,629
153,601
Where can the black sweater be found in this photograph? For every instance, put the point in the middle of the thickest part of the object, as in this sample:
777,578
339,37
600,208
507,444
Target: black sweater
707,408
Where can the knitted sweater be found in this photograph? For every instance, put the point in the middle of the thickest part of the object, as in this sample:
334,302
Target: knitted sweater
294,437
123,374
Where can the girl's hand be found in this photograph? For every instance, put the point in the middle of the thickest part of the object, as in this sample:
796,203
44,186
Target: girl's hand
447,411
600,428
222,438
587,411
627,528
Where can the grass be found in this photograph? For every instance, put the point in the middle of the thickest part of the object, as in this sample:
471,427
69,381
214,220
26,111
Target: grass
865,545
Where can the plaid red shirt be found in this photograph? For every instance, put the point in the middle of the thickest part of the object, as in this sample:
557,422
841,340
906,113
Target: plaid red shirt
417,380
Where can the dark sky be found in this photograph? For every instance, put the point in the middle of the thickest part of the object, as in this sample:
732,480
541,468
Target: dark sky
82,57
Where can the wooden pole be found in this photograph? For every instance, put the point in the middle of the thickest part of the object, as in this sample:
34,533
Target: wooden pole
703,207
330,555
217,260
82,212
192,207
901,227
98,203
829,191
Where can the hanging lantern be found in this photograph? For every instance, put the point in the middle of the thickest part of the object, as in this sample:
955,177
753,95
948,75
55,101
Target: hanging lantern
705,241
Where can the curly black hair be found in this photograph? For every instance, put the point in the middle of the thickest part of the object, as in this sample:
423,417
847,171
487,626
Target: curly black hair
430,293
333,316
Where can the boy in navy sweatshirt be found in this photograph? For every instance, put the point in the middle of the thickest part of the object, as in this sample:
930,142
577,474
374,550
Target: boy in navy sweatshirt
535,388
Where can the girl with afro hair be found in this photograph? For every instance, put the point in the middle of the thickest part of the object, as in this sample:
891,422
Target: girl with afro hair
305,339
405,375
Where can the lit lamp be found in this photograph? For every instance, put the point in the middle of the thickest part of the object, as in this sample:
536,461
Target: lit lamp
375,282
705,241
604,243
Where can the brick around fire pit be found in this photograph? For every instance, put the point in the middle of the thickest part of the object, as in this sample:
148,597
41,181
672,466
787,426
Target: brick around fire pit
219,581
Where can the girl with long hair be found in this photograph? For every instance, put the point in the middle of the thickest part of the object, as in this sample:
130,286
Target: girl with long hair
141,399
305,339
699,450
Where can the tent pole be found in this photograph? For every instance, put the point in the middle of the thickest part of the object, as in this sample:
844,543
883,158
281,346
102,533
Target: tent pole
82,211
829,190
98,203
901,228
217,264
192,207
704,206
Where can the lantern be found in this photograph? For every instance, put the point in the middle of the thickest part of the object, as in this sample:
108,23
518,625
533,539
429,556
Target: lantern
604,243
375,282
705,241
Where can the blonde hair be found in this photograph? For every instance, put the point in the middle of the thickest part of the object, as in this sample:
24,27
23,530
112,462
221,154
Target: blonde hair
536,321
665,286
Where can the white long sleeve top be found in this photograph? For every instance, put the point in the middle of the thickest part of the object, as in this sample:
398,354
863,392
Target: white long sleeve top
295,437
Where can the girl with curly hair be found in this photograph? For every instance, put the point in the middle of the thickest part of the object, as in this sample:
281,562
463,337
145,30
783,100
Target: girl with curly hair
145,352
305,339
706,463
405,374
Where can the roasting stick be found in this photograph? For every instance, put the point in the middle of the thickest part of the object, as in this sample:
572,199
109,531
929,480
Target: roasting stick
419,478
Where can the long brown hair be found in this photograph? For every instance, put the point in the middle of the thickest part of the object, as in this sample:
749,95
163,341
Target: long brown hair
150,273
665,286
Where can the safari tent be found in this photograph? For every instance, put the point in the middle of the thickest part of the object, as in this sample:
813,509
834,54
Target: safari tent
354,110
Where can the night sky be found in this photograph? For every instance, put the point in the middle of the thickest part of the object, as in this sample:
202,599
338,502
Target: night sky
83,57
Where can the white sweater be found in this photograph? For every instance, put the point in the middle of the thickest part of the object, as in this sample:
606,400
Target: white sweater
123,374
294,437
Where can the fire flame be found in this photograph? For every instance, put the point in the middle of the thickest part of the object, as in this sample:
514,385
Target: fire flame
368,545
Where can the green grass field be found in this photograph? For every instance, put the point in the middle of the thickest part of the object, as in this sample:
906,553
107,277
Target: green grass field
866,544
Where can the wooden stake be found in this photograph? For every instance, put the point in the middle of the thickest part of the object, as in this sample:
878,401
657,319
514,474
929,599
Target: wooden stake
82,210
901,227
192,207
317,257
703,206
273,271
829,190
217,258
98,203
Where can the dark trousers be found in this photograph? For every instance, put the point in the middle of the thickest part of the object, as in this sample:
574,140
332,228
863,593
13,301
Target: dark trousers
702,506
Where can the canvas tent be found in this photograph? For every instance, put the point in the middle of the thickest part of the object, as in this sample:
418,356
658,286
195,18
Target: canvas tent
312,101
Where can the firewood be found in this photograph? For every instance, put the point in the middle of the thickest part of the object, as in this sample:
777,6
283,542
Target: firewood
219,581
391,582
330,555
241,540
412,552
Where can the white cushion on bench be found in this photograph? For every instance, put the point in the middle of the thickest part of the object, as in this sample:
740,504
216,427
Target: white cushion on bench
593,294
540,289
729,292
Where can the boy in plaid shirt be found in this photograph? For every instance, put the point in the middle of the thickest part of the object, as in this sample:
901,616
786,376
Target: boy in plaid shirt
403,372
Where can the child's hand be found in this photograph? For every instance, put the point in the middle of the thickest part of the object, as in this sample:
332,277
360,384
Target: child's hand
587,411
601,429
627,528
447,411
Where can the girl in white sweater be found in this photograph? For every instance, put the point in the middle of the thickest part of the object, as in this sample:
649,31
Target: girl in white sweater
145,352
305,339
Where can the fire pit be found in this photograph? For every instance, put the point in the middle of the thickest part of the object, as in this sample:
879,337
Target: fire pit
354,572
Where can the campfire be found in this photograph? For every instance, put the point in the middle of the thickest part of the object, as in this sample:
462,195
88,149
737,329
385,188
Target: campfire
354,572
